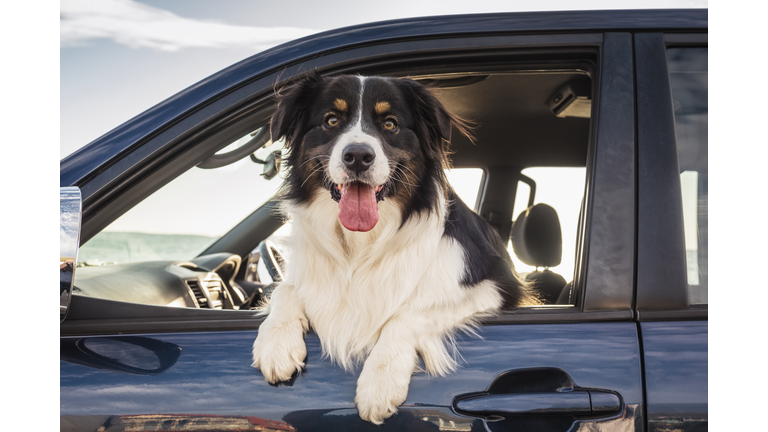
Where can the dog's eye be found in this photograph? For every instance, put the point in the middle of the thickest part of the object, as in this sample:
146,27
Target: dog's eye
390,124
332,121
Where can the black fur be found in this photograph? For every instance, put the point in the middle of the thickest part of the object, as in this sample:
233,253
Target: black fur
432,125
290,121
486,255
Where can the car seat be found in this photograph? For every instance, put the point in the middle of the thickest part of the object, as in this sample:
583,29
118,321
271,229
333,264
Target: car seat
537,240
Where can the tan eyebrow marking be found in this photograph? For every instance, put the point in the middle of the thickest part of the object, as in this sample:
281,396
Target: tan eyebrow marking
381,107
340,104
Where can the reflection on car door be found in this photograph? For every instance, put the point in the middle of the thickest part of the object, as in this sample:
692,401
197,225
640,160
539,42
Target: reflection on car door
211,385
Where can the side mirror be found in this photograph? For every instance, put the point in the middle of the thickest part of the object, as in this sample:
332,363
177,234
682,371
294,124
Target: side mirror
70,214
271,164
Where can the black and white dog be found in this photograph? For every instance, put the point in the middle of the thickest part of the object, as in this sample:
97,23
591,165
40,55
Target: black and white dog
386,263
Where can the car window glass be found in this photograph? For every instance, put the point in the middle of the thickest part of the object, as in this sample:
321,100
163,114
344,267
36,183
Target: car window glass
184,217
466,183
562,188
689,81
522,196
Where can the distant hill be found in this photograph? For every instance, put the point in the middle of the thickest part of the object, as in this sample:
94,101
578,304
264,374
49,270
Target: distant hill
120,247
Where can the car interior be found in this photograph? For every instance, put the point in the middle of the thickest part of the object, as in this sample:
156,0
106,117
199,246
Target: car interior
526,116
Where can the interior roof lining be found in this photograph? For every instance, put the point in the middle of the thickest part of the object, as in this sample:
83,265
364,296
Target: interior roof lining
513,119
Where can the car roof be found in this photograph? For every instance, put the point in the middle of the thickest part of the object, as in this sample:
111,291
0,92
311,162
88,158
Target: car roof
121,140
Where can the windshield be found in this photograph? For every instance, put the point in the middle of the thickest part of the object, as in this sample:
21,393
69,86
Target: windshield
186,216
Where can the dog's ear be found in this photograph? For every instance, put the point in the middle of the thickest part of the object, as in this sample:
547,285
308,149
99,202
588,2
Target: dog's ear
293,106
435,122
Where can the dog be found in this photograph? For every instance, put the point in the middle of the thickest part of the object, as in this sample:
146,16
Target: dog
386,263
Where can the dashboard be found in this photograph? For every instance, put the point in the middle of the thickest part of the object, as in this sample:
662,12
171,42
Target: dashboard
206,282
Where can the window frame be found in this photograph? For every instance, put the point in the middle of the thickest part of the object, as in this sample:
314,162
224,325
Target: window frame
662,288
606,256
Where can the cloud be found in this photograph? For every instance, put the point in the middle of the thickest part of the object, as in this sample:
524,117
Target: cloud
141,26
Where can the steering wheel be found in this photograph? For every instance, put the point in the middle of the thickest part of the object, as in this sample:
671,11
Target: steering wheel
273,260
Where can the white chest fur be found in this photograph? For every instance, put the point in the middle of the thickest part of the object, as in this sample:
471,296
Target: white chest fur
350,283
381,297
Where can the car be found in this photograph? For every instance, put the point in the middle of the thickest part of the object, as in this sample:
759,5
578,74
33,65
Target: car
590,150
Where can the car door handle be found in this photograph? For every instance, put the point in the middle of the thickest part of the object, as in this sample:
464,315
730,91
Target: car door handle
576,402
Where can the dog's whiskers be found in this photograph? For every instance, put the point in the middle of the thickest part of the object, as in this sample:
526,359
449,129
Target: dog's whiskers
409,170
319,168
327,182
399,176
313,158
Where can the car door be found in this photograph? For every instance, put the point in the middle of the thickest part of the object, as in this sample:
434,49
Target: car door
577,366
672,281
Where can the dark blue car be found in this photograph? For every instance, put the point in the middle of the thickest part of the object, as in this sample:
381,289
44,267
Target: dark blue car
598,118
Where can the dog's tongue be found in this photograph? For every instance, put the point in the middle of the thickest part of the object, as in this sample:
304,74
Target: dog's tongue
357,207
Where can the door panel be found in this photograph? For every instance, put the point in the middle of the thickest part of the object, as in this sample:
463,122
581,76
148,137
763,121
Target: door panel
676,372
204,381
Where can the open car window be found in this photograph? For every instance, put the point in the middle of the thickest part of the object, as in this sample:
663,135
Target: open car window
562,188
528,124
466,182
184,217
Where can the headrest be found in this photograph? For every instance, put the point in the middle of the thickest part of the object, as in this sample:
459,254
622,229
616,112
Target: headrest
536,236
549,285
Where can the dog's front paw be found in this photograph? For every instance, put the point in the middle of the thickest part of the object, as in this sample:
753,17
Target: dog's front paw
279,350
380,391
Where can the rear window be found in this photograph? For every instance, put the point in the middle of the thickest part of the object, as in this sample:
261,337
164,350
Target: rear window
688,73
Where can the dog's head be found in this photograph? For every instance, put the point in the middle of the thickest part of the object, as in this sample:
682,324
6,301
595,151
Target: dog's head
364,140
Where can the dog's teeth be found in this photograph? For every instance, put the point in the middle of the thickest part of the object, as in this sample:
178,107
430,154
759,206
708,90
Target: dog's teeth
338,187
378,188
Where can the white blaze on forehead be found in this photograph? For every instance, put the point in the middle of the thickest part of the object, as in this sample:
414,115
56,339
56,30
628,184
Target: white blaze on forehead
379,171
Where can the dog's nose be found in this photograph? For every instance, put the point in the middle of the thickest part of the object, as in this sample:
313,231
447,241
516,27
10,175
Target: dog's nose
358,157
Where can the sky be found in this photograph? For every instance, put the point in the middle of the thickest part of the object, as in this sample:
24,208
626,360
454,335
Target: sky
121,57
